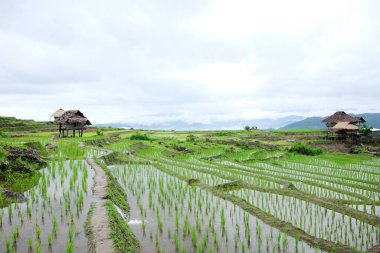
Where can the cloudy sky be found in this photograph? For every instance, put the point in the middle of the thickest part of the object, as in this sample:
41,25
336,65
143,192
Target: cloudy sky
199,61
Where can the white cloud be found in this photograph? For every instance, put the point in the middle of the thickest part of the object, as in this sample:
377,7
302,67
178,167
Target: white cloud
199,61
222,77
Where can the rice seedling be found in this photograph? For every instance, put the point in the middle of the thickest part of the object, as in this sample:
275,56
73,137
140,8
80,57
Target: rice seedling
50,240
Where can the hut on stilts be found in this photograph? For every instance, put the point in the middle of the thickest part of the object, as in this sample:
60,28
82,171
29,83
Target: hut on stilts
73,120
341,126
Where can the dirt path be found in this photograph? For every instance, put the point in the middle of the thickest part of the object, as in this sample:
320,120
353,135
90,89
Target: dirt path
99,219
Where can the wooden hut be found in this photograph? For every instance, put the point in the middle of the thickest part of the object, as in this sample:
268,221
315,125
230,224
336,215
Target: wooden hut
73,120
342,125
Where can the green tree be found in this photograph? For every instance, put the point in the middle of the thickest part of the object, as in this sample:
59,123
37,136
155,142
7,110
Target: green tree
365,130
247,128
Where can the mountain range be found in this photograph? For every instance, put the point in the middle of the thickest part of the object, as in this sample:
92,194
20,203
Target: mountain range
218,125
285,123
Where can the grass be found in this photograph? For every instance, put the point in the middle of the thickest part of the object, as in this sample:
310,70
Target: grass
114,191
122,235
139,136
89,231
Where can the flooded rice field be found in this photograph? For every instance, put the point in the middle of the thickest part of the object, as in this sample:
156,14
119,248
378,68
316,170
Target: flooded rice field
168,215
52,219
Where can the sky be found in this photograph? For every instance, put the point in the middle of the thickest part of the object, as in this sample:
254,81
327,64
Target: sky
151,61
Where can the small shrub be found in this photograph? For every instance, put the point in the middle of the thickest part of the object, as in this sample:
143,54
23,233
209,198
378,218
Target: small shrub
365,130
223,133
141,137
4,134
302,149
190,138
99,132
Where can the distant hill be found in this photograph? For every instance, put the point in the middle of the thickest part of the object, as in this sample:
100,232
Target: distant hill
308,123
372,119
219,125
11,124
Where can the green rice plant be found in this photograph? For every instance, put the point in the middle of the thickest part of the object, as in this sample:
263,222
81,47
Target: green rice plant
203,244
143,226
285,242
72,218
10,212
216,241
159,221
50,240
298,236
69,246
157,242
177,220
15,235
71,233
28,210
176,242
54,222
30,243
243,247
8,245
194,237
186,226
223,221
38,247
38,232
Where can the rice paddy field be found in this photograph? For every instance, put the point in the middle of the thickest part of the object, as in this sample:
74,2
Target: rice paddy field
216,191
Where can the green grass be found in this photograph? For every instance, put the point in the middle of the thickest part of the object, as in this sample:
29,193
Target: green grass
124,238
89,231
114,191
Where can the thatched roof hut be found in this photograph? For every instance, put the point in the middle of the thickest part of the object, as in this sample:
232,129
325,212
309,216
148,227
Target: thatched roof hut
72,117
58,113
72,120
341,116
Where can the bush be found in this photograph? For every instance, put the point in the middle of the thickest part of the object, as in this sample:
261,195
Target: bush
223,133
4,134
190,138
247,128
365,130
141,137
302,149
99,132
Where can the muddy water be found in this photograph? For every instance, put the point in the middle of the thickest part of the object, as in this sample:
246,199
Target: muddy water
56,194
155,196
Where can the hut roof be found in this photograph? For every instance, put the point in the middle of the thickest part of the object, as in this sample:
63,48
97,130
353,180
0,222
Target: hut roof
72,117
58,113
342,117
345,126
